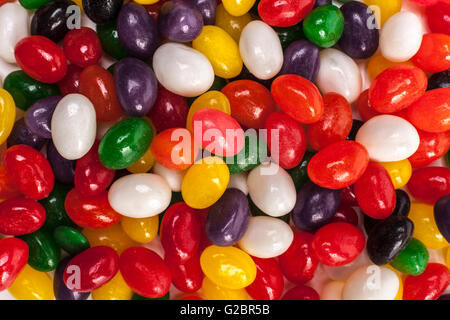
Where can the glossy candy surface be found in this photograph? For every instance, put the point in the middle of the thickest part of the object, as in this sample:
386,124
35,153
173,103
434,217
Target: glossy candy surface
285,13
302,58
60,288
434,53
7,114
20,216
31,284
14,256
441,215
429,184
102,11
171,111
413,259
82,47
427,286
44,253
324,25
39,115
269,283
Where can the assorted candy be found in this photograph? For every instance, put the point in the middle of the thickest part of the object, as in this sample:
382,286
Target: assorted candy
225,150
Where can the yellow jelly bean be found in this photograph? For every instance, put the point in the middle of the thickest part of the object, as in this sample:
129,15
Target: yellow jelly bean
144,164
425,228
205,182
212,291
79,3
238,8
377,64
115,289
231,24
221,50
209,100
142,230
7,114
31,284
448,258
383,9
113,237
228,267
399,171
146,1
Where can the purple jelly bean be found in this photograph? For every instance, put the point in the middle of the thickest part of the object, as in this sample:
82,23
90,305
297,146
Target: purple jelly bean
180,20
136,86
442,216
228,218
137,31
20,134
207,9
302,58
360,38
320,3
39,116
315,207
59,287
63,169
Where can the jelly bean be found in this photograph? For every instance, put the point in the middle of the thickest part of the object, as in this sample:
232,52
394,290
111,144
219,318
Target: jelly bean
44,253
301,58
429,184
31,284
434,53
25,90
269,282
207,9
180,21
228,218
102,11
425,2
299,174
338,165
442,217
266,237
169,110
314,207
209,100
71,82
91,269
63,169
115,289
205,182
340,74
299,263
301,292
173,177
142,230
38,116
145,272
239,273
14,256
54,207
399,172
272,189
260,50
432,147
137,31
388,138
437,17
136,86
164,297
13,28
413,259
284,14
82,47
377,64
182,70
212,291
29,171
113,237
347,214
360,286
20,216
359,39
401,36
7,188
233,25
90,212
332,290
109,39
60,288
20,134
32,4
186,277
251,156
238,8
427,286
324,25
70,240
7,114
439,80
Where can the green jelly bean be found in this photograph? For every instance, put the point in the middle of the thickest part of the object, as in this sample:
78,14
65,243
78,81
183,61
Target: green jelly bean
70,240
299,174
111,68
324,25
255,211
26,91
109,38
139,297
288,35
125,143
44,253
56,214
413,259
33,4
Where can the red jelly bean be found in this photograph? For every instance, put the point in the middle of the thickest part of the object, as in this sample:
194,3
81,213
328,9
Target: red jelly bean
427,286
186,277
97,84
298,264
396,88
284,13
71,82
250,102
375,192
41,59
20,216
348,196
338,243
438,17
335,124
82,47
434,53
269,282
7,188
431,112
338,165
191,298
298,97
364,108
425,2
145,272
91,212
301,292
91,177
180,232
432,147
290,144
29,171
429,184
91,269
345,213
169,111
13,257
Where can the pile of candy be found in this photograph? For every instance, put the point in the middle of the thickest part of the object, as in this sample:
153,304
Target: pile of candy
125,182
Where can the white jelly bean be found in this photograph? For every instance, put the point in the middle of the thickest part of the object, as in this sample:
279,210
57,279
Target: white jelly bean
271,189
140,195
388,138
74,126
266,237
401,37
182,70
13,28
261,50
371,283
332,291
238,181
339,73
173,177
343,272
